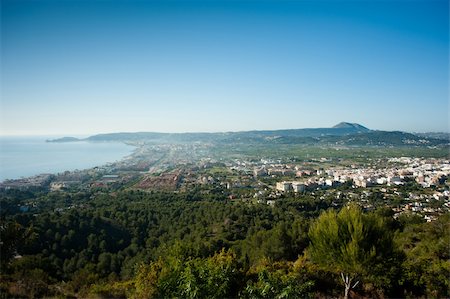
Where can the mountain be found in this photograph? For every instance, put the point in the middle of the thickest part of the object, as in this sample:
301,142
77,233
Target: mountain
344,133
344,125
338,130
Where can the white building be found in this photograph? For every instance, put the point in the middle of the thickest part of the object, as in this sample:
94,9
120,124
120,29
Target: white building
262,171
298,187
283,186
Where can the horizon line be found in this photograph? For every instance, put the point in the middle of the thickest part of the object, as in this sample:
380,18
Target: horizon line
86,135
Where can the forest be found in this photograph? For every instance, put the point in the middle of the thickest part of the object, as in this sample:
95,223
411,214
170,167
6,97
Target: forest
134,244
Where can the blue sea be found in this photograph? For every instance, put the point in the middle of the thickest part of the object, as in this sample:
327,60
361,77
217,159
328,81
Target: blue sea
28,156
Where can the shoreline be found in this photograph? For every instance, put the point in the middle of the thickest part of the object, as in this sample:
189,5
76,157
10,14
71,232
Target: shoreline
58,171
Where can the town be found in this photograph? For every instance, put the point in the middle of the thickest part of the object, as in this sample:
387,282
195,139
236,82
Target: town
416,185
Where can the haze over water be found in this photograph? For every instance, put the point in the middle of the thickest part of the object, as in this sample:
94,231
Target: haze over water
28,156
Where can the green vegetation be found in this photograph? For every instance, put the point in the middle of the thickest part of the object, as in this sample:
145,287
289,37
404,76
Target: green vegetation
300,153
351,243
193,245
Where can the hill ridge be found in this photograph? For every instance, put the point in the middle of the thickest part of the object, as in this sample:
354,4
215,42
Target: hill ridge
344,133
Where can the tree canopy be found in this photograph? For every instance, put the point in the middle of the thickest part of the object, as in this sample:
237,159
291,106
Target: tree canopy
350,242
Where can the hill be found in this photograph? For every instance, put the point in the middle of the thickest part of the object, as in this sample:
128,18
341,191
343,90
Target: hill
344,133
338,130
345,125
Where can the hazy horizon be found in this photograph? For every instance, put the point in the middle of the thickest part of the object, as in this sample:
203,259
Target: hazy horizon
85,135
89,67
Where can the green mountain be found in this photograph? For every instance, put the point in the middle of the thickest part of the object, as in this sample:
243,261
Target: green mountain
338,130
344,133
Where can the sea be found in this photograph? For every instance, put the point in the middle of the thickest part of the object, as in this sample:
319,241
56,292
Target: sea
28,156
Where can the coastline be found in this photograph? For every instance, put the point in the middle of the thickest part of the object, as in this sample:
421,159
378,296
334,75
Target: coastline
22,158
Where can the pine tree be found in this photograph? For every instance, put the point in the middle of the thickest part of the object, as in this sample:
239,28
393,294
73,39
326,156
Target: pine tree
349,242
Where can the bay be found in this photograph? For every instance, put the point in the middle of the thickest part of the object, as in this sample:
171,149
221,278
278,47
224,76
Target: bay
28,156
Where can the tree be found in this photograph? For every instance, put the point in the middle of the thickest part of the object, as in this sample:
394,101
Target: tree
283,279
12,237
427,264
175,276
349,242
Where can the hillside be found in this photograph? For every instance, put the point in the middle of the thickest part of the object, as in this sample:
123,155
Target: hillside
344,133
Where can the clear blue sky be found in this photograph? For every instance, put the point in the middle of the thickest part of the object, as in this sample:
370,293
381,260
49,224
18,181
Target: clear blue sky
85,67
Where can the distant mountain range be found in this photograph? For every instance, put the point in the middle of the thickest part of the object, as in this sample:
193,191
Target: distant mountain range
344,133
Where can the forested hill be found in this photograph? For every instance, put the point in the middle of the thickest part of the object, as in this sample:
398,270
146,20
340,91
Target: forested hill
341,134
341,129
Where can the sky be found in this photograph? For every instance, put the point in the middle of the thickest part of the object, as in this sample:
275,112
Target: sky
85,67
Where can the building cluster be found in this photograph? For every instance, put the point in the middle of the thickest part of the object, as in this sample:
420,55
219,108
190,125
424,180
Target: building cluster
30,182
426,172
